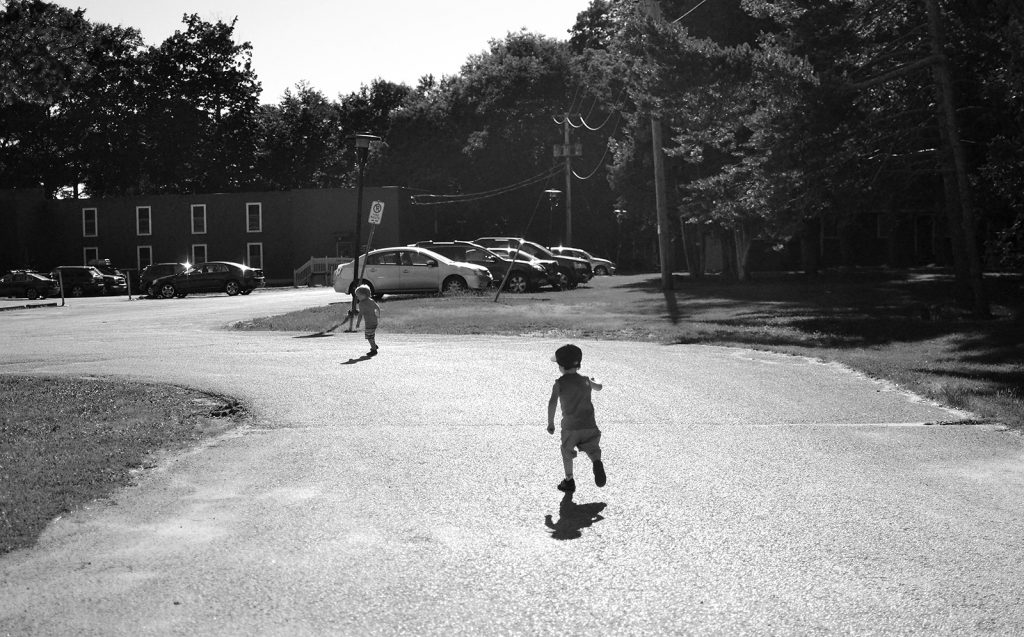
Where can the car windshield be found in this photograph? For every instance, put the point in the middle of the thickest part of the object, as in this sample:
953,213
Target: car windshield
536,250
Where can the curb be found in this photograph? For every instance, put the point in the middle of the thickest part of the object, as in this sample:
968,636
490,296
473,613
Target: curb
26,306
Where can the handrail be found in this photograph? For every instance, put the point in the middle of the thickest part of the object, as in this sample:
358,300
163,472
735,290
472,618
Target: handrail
317,267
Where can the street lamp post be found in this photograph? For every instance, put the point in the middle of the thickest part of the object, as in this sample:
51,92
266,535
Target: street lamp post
362,143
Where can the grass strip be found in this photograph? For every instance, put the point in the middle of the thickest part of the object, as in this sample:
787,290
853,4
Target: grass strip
68,441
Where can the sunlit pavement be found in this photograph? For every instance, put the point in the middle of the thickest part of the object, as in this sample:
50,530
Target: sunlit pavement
413,493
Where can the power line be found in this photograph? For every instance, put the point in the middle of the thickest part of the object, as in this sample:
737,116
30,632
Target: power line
601,125
688,12
600,162
438,200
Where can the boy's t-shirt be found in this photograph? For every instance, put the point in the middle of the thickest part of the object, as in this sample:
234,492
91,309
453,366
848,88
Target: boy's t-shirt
573,391
366,310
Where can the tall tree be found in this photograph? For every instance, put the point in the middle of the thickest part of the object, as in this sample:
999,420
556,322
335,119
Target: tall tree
201,102
301,142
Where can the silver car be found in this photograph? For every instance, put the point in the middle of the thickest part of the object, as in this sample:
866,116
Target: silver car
600,266
410,269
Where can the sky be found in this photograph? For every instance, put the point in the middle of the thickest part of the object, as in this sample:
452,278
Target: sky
338,45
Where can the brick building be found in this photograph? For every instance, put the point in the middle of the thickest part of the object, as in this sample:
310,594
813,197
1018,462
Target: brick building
276,231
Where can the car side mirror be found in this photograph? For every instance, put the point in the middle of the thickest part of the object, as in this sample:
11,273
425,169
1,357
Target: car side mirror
431,264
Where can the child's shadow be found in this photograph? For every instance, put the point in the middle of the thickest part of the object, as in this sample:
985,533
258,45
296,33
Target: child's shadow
353,361
572,518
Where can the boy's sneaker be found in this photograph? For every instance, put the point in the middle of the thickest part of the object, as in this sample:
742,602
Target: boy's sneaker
599,477
568,485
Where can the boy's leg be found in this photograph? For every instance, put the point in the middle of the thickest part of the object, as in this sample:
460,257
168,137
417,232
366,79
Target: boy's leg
568,453
371,339
590,444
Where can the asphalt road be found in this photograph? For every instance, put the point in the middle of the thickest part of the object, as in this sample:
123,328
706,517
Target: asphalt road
414,493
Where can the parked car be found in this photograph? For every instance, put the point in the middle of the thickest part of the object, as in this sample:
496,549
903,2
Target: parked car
154,271
212,276
575,270
410,269
522,276
556,279
602,267
29,284
79,280
114,281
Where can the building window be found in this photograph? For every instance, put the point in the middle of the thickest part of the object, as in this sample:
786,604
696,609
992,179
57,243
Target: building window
143,221
89,222
199,218
254,217
90,254
198,253
145,256
255,252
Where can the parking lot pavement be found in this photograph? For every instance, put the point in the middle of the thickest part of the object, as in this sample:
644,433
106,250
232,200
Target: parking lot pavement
413,493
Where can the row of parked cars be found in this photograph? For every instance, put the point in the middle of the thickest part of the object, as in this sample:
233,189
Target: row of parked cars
160,280
78,280
518,264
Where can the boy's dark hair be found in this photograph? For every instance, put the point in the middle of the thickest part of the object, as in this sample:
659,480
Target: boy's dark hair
568,356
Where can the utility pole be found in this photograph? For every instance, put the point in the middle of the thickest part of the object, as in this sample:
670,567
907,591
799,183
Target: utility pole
568,186
664,236
567,150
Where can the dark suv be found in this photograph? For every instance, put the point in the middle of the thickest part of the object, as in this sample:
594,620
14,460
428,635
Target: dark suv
79,280
524,277
114,280
573,270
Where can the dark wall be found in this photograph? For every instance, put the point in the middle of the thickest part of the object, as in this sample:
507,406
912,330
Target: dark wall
296,225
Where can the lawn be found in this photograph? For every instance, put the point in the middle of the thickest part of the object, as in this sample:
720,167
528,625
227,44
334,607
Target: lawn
895,325
65,442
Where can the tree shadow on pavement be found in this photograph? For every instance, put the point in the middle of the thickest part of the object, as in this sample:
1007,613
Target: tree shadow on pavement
573,518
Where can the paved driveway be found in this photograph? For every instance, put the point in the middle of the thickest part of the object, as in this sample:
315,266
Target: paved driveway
414,493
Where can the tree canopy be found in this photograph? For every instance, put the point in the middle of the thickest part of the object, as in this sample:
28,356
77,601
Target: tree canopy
782,118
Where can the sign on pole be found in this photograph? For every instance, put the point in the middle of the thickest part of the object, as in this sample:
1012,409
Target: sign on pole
376,212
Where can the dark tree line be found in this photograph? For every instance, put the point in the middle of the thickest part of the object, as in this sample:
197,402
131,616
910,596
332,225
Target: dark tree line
779,116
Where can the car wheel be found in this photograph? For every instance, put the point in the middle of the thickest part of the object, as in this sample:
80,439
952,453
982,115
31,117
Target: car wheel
517,283
77,290
31,294
167,291
152,292
569,282
454,285
232,288
562,283
600,271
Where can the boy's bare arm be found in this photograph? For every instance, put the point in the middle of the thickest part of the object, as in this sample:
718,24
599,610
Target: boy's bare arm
552,406
596,386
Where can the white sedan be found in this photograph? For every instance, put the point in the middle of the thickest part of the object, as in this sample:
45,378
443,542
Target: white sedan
409,270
